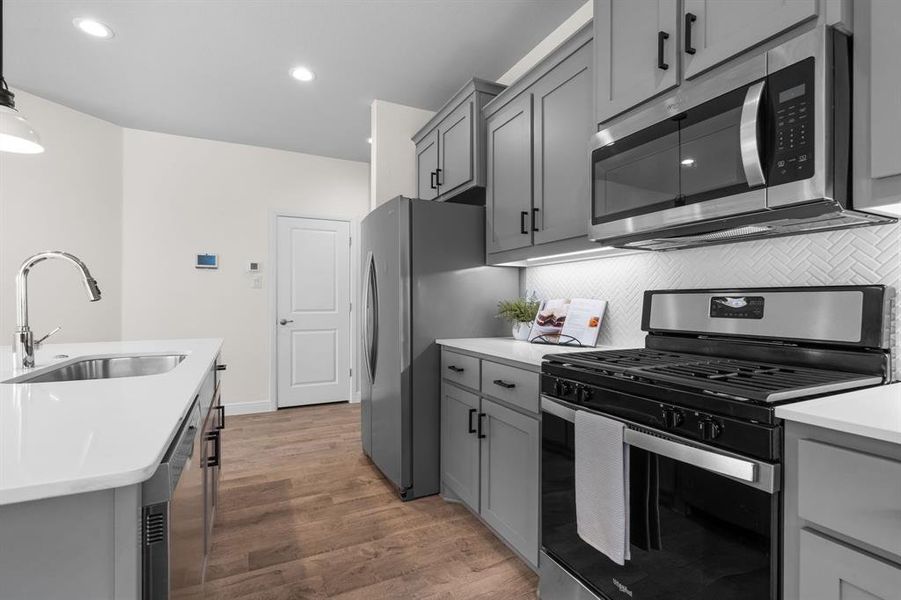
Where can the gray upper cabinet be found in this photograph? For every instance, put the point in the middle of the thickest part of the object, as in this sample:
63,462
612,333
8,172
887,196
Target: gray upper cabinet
450,148
715,31
455,135
508,200
539,130
636,52
510,485
877,120
562,118
460,444
426,159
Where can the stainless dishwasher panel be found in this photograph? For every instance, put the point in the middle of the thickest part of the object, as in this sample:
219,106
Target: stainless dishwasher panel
173,552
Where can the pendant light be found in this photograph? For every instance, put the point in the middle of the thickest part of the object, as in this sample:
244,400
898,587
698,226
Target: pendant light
16,133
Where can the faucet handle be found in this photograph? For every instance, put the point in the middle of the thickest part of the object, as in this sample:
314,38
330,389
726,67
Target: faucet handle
41,341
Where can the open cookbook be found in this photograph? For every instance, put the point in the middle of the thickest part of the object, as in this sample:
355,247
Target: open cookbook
575,321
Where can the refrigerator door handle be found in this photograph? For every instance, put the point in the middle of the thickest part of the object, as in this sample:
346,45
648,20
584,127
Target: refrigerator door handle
367,325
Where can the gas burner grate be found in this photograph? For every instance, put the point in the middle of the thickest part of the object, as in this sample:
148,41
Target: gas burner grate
621,360
756,381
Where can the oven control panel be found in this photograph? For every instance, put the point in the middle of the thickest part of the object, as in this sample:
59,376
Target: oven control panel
736,307
790,94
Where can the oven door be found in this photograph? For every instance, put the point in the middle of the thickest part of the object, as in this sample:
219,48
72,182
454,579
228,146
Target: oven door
695,532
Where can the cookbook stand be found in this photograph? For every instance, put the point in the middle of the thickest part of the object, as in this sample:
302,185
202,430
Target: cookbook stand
570,341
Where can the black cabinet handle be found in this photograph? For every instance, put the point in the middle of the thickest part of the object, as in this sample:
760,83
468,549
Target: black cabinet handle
480,434
221,367
534,218
504,384
438,177
456,369
221,409
689,19
522,222
433,176
662,36
472,411
213,461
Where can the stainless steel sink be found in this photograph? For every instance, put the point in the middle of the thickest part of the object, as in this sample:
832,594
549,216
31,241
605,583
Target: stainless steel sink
104,367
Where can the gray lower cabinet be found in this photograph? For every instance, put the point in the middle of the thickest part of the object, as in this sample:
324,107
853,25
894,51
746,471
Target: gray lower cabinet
508,200
490,449
509,492
842,531
450,148
460,444
537,199
833,571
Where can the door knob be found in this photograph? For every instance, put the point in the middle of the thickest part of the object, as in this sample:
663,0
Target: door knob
285,321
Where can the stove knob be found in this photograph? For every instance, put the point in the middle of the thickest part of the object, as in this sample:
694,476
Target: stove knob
709,429
584,393
672,417
566,388
558,387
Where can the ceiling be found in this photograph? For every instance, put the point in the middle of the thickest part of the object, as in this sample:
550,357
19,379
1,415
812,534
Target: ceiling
219,69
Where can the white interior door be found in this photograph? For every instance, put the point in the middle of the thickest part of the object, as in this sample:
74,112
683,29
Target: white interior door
313,304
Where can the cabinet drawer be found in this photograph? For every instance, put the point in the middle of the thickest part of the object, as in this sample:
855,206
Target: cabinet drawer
460,368
515,386
855,494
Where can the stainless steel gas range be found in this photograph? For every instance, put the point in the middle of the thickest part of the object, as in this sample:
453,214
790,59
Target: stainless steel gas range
703,443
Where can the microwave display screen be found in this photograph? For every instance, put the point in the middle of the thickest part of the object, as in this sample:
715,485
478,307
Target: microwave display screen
791,94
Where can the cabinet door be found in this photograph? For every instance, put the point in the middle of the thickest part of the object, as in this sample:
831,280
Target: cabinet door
627,46
716,31
831,571
426,164
460,444
563,126
509,486
455,149
508,197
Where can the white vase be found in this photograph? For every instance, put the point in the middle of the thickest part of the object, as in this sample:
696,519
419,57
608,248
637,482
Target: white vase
521,331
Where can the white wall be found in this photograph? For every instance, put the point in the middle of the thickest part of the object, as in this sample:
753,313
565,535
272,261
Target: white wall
571,25
185,195
393,155
68,198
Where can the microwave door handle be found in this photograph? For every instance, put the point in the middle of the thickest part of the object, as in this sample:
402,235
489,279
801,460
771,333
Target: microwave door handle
750,142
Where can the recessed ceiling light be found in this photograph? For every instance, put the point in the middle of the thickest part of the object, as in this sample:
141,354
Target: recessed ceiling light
688,162
93,28
302,74
368,140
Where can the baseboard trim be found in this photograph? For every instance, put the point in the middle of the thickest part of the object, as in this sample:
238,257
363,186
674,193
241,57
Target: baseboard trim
247,408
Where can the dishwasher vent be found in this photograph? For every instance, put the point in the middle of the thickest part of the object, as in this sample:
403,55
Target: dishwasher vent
154,528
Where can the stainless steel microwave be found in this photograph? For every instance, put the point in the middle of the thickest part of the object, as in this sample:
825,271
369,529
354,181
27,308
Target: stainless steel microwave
760,150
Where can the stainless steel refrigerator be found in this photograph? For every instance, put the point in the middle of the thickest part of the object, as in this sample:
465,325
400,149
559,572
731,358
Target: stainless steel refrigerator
424,278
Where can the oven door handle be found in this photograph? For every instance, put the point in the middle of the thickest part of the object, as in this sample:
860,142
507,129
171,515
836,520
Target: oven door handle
760,475
750,144
731,466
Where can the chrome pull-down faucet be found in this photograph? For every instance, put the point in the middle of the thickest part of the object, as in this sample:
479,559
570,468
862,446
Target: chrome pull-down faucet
24,343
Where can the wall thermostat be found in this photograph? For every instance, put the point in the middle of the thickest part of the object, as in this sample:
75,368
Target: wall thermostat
207,261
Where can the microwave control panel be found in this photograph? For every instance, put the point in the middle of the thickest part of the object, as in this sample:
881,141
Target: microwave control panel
790,98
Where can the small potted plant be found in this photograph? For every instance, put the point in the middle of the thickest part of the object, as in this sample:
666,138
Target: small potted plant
520,312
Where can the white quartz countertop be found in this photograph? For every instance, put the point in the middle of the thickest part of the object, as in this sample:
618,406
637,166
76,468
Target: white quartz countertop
873,412
79,436
511,350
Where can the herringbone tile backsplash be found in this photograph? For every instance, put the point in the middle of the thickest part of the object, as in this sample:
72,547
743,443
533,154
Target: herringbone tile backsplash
855,256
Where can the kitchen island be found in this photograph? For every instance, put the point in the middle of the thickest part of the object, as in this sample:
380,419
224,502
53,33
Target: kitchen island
73,456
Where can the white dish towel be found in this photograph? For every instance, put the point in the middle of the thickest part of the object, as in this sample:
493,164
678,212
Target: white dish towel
602,485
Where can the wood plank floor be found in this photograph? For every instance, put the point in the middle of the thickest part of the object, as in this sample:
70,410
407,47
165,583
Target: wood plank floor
304,514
